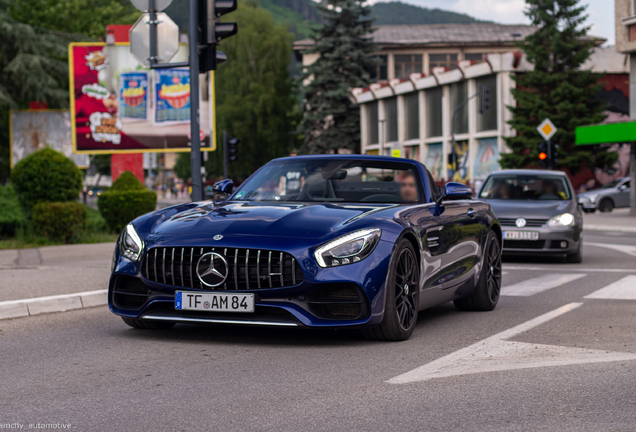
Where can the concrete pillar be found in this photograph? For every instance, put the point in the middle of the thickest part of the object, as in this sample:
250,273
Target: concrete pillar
632,116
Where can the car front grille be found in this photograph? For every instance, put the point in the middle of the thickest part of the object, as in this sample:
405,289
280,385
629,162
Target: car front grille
530,223
523,244
247,268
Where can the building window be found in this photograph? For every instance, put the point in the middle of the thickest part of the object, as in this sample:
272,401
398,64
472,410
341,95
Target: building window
434,112
458,94
372,122
381,71
488,120
391,117
476,57
442,60
407,64
412,108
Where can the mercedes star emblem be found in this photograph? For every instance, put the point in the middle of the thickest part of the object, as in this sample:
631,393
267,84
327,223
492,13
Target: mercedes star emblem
217,237
521,222
212,269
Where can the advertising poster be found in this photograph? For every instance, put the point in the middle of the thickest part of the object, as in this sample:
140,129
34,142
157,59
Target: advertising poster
487,159
133,95
117,108
462,175
172,96
434,161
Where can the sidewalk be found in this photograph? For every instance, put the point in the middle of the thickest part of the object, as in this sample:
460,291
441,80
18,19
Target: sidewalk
619,221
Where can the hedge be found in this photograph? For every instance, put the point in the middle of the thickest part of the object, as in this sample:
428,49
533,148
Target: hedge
46,176
59,221
118,208
127,181
11,215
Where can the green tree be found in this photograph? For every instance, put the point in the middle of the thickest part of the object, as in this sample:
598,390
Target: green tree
87,17
331,120
558,88
254,99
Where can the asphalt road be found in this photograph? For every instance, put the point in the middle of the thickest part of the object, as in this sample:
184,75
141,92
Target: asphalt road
547,358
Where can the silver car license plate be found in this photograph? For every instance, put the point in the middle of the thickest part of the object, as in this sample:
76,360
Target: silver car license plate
521,235
213,302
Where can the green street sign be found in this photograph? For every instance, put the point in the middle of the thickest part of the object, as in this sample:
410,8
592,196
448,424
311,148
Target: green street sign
606,134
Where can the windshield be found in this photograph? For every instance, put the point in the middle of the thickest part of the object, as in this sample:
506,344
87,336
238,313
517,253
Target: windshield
333,180
526,187
611,184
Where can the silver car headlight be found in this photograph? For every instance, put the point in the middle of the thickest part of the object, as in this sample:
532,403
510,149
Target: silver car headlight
566,219
348,249
592,197
130,244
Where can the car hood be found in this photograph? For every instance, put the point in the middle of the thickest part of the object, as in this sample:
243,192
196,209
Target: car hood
258,219
529,209
597,191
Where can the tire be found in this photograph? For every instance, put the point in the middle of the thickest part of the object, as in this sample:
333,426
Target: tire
576,257
488,289
147,324
606,205
402,296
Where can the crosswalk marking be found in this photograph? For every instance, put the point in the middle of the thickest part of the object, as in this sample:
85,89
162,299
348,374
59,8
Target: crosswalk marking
624,289
543,283
569,268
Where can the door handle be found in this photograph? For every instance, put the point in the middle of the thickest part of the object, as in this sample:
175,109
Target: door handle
471,213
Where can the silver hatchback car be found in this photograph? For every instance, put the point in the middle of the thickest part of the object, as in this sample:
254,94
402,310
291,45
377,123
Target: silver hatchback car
605,199
538,212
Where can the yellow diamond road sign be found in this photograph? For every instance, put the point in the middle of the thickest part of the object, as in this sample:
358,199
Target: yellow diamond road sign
547,129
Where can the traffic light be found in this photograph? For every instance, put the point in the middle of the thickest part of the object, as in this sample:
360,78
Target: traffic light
554,153
232,149
484,99
544,154
212,31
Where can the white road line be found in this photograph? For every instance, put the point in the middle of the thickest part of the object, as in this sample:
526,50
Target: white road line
543,283
629,250
497,354
624,289
569,268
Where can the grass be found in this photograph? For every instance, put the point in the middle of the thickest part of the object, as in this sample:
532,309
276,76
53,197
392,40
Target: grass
96,232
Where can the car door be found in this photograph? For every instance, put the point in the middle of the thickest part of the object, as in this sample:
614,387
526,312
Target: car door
461,238
622,196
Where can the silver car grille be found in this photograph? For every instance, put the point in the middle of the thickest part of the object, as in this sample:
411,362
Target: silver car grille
530,223
248,269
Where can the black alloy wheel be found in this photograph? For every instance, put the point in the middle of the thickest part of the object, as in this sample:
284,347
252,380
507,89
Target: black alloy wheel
488,289
402,296
606,205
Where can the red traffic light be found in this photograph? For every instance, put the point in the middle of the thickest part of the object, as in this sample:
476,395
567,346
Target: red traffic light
543,156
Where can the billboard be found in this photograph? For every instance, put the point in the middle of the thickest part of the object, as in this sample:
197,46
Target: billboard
32,130
118,106
487,160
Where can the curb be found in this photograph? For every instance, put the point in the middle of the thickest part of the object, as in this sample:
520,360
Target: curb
593,227
57,303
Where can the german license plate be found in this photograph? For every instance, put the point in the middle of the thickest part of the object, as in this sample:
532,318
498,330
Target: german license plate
213,302
521,235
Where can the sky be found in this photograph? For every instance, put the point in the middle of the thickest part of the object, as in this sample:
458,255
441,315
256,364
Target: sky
601,12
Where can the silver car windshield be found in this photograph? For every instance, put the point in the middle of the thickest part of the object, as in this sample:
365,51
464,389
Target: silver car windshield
329,180
526,187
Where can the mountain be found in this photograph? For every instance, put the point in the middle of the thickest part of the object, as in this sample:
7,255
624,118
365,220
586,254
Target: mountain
301,14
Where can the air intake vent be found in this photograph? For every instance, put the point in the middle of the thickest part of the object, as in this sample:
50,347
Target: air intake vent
248,269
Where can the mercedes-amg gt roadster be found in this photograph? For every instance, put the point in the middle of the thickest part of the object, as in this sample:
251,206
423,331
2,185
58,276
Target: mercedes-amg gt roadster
313,241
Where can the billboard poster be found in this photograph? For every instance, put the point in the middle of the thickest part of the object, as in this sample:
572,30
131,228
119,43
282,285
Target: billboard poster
32,130
172,93
487,159
133,95
434,158
117,106
462,174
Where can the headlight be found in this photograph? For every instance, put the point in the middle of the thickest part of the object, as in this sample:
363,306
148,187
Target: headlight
592,197
348,249
566,219
130,244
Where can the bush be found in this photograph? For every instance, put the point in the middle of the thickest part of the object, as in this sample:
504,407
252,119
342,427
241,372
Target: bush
11,215
46,176
125,200
59,221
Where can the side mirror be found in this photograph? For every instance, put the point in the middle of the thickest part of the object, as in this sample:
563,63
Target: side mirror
622,187
457,191
224,187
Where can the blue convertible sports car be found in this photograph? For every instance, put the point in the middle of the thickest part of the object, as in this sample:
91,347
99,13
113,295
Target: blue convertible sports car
315,241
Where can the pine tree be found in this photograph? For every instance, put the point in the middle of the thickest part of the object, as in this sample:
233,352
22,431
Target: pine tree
331,119
558,88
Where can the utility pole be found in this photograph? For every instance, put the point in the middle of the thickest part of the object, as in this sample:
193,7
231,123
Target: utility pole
453,156
381,151
224,154
195,149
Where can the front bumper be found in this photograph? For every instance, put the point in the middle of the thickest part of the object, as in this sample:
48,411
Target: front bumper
302,305
551,241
